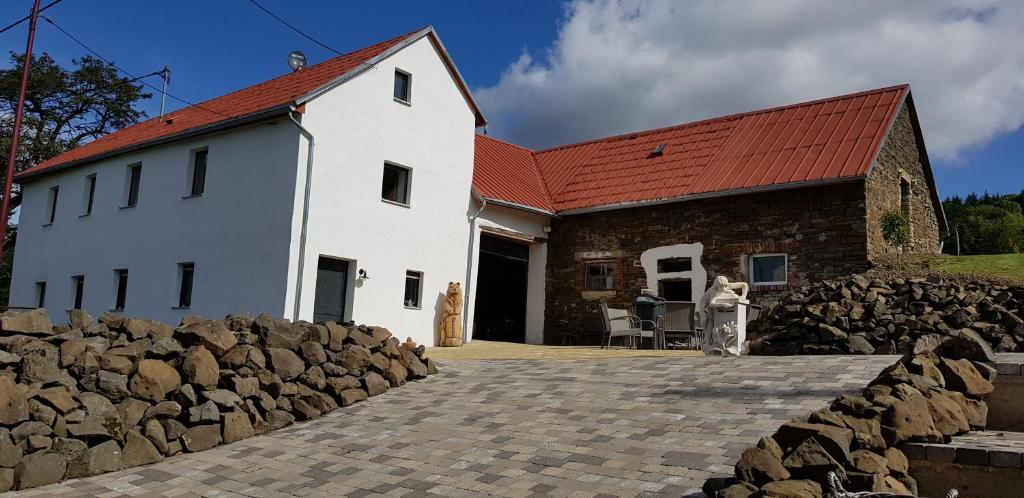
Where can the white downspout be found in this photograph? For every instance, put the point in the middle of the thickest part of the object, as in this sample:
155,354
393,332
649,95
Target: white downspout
305,213
469,264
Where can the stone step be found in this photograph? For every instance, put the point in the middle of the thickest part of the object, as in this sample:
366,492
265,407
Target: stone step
1005,410
1001,449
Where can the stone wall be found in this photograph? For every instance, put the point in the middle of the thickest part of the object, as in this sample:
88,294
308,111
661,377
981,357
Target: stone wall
84,398
822,229
930,396
863,315
900,160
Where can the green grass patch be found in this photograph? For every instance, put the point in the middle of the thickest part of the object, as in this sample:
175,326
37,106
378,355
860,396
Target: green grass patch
999,265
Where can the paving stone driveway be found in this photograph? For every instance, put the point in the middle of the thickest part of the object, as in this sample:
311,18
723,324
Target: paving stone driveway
608,427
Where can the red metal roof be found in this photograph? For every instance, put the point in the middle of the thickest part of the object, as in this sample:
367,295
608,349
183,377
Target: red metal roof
829,139
507,172
277,93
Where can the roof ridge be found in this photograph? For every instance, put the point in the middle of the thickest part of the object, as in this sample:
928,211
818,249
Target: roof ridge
720,118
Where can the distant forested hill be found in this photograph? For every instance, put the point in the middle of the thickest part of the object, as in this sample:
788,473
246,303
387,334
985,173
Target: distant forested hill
987,224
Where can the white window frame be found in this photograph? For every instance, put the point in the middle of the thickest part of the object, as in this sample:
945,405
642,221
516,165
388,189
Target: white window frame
41,294
75,281
178,305
127,196
408,184
190,174
408,100
51,205
785,269
89,195
418,275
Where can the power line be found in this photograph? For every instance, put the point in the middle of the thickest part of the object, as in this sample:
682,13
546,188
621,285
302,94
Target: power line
23,19
108,61
293,28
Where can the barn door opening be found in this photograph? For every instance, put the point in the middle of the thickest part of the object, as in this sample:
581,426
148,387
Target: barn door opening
331,290
500,313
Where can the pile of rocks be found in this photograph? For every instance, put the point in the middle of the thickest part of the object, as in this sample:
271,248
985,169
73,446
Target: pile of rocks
864,316
930,395
88,397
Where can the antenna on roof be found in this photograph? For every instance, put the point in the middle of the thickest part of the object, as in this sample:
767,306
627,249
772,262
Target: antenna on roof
659,150
296,60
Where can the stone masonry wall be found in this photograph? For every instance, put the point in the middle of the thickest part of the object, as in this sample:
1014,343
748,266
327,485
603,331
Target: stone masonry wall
84,398
820,228
900,159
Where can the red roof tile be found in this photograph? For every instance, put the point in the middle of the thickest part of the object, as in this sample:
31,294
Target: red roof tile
507,172
827,139
254,100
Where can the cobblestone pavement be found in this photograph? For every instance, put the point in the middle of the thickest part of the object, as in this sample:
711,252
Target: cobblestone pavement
580,428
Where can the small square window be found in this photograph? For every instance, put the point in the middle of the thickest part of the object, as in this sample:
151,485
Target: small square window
51,210
403,86
78,284
413,288
599,276
133,180
186,272
40,294
89,194
395,187
675,265
197,174
122,289
768,269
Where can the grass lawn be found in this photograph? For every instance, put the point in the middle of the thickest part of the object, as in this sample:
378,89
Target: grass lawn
1001,265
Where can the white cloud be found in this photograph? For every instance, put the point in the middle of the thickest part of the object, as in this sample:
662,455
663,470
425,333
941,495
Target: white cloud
621,65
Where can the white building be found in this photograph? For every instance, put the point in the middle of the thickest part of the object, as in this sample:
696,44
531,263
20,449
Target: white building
209,210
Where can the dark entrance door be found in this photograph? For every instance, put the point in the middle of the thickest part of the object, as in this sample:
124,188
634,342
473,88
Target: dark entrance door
331,287
675,290
500,313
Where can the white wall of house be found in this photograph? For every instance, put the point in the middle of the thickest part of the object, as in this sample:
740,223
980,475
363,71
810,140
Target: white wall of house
236,233
357,127
528,224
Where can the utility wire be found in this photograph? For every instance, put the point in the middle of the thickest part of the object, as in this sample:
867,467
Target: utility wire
293,28
96,89
104,59
23,19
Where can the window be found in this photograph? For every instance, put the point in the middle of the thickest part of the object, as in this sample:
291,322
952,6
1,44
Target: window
122,289
134,176
413,286
600,276
396,184
78,283
40,294
197,176
185,274
51,209
403,86
675,265
89,194
905,197
768,269
676,289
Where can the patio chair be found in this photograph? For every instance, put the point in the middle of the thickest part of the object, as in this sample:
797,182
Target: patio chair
619,323
680,320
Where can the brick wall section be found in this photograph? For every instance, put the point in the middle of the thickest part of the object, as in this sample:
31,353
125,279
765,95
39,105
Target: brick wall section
822,229
900,159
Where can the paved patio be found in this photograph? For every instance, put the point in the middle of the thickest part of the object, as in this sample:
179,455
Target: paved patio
594,427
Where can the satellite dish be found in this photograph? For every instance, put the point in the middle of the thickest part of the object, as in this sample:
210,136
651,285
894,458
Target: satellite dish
296,60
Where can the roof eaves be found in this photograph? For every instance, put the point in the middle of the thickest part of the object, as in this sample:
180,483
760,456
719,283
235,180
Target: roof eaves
182,135
514,205
710,195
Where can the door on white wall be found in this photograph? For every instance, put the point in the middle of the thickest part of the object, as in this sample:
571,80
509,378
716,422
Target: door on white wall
331,287
500,313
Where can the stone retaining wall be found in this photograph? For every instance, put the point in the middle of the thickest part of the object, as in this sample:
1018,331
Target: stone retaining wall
863,315
930,396
87,397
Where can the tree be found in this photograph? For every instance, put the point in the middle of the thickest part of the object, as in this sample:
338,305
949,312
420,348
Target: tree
64,108
896,231
986,224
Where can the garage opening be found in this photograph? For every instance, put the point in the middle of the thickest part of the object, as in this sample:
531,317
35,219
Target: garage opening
500,313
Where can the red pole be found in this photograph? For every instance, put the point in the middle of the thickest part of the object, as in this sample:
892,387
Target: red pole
5,209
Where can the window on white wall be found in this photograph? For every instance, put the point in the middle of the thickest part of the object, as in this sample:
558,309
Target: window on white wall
186,272
768,269
121,289
40,294
395,187
599,275
197,173
51,205
413,289
78,284
88,194
403,86
133,179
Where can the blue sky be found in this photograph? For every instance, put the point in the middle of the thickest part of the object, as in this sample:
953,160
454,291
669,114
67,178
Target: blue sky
515,55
